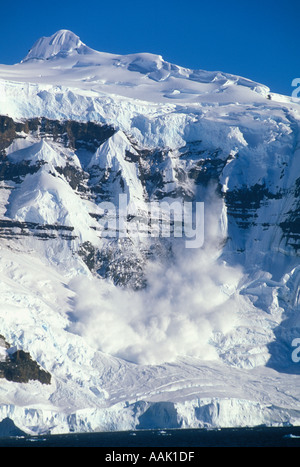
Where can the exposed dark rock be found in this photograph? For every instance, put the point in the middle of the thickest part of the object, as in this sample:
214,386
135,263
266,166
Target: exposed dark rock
207,170
117,262
243,203
76,178
76,135
16,172
89,254
8,428
20,368
8,131
72,134
17,229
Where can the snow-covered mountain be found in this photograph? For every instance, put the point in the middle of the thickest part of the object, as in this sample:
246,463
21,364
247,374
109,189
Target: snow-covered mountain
107,321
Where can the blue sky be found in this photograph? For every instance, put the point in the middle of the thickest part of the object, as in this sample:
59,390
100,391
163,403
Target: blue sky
255,39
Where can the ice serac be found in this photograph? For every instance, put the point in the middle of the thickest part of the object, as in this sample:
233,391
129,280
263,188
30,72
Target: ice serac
135,329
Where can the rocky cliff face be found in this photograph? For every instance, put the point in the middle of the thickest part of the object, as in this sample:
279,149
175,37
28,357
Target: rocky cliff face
61,180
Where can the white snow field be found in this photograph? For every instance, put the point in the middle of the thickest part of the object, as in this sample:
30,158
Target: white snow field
209,341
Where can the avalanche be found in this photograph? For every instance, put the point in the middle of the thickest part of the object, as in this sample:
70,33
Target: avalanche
141,332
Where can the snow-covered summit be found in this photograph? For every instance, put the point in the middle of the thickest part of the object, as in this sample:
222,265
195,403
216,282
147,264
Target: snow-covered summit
63,59
60,44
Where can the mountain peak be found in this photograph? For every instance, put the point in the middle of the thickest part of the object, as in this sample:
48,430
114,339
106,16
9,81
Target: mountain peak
60,44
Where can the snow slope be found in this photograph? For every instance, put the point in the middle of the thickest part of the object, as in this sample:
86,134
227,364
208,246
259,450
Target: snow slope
209,340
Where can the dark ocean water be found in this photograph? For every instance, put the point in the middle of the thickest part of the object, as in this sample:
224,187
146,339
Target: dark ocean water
175,438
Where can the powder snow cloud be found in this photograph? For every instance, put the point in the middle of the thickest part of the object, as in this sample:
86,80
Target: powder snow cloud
185,303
